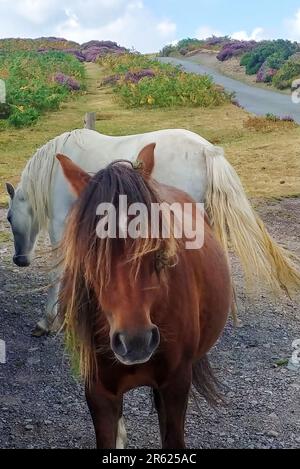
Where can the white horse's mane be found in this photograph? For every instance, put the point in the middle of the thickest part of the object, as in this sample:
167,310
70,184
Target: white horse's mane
37,177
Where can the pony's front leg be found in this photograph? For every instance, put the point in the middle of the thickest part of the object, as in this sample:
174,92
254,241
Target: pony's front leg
106,414
50,322
171,403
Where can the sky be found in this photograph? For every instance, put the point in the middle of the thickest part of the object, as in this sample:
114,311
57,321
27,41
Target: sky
147,25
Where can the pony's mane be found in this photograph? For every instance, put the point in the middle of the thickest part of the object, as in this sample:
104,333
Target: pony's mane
88,257
37,176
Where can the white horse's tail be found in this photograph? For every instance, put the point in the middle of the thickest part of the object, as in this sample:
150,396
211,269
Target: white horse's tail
238,227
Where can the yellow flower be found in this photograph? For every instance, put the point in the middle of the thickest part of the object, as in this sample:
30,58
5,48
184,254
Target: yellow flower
23,87
150,100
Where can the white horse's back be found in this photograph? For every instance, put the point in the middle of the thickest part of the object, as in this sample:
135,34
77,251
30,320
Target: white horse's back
181,150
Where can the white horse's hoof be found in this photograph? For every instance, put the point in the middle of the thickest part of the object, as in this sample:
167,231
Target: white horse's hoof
43,327
122,435
39,331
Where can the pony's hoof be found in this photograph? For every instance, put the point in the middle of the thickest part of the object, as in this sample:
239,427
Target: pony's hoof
39,331
238,324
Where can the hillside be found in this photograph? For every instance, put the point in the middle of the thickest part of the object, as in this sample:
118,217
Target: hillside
275,63
87,52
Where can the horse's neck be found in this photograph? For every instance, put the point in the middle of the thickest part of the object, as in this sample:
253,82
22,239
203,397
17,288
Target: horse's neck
37,179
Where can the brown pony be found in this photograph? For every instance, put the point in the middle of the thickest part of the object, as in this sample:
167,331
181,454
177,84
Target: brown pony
139,312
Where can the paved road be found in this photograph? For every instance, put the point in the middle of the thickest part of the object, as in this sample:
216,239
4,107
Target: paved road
253,99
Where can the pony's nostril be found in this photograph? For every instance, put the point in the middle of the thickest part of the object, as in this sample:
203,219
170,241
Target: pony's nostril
119,344
154,339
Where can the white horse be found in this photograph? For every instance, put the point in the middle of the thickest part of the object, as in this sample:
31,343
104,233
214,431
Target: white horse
42,199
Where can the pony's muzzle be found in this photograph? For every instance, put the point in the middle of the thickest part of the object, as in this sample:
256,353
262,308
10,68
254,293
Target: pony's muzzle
138,348
21,261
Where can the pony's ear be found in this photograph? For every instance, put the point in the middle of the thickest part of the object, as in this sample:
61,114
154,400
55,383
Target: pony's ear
76,177
146,159
10,190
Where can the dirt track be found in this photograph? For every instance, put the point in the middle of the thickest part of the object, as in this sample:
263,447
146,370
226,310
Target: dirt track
41,405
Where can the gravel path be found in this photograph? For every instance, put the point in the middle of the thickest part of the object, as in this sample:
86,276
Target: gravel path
252,98
42,406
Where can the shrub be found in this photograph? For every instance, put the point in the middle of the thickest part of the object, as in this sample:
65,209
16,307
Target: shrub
23,117
66,80
133,62
167,50
216,41
272,117
288,119
166,91
5,110
144,82
287,74
234,48
274,53
187,45
265,74
31,89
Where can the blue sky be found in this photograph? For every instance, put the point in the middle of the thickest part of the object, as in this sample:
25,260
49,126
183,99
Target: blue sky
228,16
147,25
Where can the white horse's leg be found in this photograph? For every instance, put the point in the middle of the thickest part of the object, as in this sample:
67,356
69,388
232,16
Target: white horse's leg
50,322
122,435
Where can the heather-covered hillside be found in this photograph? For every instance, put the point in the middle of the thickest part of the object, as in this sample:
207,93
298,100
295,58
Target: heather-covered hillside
88,52
275,62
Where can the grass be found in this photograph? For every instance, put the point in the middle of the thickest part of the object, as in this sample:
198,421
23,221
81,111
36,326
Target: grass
5,237
268,163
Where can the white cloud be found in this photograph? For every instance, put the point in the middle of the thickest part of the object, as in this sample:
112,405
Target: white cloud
166,28
35,11
293,27
205,32
72,21
258,34
130,23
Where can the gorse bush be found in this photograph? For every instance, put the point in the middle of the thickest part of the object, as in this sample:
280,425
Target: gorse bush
273,53
33,86
164,91
132,62
184,46
140,81
287,74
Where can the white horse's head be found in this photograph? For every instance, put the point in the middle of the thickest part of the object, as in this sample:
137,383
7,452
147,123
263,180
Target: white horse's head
24,226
